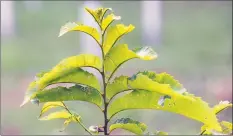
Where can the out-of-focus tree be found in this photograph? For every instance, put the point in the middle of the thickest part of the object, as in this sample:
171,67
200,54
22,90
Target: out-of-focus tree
151,22
7,18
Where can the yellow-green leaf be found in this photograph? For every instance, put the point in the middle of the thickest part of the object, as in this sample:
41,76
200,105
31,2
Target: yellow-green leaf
73,93
118,85
114,33
57,115
160,133
98,13
120,54
221,106
49,105
108,20
193,108
68,71
143,82
130,125
72,26
226,129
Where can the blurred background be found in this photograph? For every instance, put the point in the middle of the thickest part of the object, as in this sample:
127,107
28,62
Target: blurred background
192,38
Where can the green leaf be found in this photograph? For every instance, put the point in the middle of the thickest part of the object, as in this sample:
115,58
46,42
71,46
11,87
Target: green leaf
191,107
163,78
98,13
221,106
72,26
113,34
130,125
68,71
143,82
119,84
108,20
49,105
57,115
160,133
120,54
226,129
73,93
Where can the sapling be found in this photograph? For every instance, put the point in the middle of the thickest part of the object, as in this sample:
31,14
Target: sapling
145,89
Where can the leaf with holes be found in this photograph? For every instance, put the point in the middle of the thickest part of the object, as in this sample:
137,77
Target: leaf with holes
121,53
67,71
72,26
193,108
129,124
120,84
74,93
49,105
113,34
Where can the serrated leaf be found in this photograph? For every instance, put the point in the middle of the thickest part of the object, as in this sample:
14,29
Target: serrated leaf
49,105
113,34
145,83
108,20
124,83
98,13
67,71
194,108
121,53
73,93
221,106
72,26
130,125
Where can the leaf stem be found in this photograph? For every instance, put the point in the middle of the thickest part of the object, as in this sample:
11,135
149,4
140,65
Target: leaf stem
79,122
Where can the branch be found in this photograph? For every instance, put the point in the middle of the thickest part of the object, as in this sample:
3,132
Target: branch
77,120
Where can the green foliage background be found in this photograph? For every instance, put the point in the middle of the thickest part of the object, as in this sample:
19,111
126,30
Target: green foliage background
196,48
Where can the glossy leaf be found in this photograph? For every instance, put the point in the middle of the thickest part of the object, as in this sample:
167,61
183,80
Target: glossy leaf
72,26
73,93
121,53
221,106
114,33
130,125
49,105
67,71
193,108
108,20
98,14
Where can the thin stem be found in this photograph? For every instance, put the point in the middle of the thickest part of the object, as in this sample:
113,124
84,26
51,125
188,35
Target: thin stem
105,111
76,119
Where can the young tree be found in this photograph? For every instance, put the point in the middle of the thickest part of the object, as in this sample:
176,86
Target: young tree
146,89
